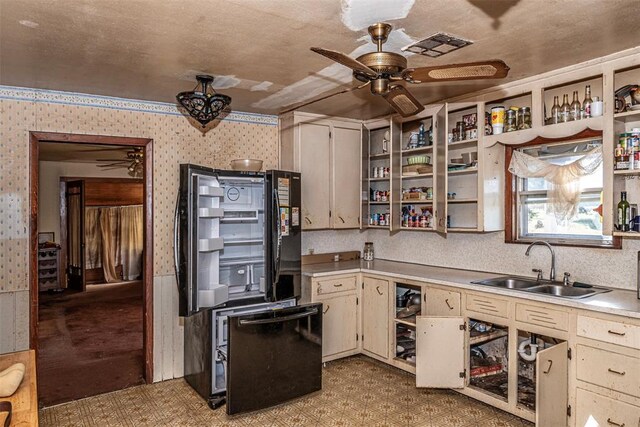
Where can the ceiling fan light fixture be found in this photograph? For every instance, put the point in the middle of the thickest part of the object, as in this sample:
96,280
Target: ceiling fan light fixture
203,103
437,45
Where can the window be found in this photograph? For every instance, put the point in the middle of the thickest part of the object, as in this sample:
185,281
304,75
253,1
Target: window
531,217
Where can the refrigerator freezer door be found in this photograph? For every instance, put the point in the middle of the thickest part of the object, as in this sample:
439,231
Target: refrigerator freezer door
273,357
282,235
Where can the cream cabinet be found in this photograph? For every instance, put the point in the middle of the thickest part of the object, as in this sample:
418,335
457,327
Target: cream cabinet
327,153
440,302
375,316
340,300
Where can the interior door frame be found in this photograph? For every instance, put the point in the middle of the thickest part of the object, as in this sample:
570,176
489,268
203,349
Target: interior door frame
147,306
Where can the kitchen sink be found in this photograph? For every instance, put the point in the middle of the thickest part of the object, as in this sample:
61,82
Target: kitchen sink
565,291
510,282
556,289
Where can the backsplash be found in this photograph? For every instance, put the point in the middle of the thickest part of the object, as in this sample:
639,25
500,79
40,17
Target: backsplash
486,252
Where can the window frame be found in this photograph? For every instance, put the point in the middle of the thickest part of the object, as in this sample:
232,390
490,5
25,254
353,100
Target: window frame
512,216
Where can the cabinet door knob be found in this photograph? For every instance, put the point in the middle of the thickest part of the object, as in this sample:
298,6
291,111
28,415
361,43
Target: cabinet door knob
341,219
325,311
338,285
549,368
448,305
620,334
378,289
613,423
613,371
308,220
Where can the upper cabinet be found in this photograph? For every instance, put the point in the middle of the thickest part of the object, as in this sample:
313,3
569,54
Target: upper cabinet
327,152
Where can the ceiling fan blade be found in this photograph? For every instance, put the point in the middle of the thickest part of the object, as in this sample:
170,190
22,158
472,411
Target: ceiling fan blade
320,98
493,69
402,101
117,165
345,60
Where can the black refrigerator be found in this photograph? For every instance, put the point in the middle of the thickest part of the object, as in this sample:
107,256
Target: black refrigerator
238,259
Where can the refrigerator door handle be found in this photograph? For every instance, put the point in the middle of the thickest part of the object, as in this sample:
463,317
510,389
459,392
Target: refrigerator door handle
304,314
276,277
176,238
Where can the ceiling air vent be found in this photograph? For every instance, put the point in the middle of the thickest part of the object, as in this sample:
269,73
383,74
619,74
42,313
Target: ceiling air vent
437,45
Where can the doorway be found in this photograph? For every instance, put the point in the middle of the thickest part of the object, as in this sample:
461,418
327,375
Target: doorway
91,304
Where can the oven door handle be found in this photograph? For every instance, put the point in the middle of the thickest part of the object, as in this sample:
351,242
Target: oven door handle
304,314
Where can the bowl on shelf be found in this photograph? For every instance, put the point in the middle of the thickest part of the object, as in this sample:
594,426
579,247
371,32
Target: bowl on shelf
418,160
469,157
247,165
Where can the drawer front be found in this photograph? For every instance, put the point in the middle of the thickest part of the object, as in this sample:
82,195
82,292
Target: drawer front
331,286
541,316
438,302
609,331
488,305
596,410
610,370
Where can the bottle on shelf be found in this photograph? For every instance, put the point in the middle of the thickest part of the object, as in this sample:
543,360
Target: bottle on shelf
623,212
586,104
555,111
575,107
565,109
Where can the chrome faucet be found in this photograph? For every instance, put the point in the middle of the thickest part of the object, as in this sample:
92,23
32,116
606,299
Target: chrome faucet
552,274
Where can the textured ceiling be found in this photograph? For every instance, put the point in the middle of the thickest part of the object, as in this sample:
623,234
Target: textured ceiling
151,50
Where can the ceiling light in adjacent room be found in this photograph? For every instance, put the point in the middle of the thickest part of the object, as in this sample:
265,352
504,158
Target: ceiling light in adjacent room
203,103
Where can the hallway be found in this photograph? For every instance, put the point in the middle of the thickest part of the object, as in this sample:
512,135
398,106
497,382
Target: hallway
89,342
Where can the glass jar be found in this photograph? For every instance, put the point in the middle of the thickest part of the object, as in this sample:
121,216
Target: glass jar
461,131
367,253
511,121
524,119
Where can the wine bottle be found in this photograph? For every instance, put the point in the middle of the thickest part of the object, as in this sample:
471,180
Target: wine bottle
623,212
586,104
575,107
565,109
555,111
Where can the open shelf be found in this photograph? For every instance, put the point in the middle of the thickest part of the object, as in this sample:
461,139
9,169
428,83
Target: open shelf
462,144
418,150
379,156
379,203
379,179
487,336
463,230
462,200
627,234
489,358
463,171
421,175
406,322
627,172
627,116
418,202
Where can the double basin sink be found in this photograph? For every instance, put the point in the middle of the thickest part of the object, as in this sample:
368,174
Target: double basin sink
556,289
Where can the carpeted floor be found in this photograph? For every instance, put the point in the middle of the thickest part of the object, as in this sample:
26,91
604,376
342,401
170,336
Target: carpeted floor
89,342
357,391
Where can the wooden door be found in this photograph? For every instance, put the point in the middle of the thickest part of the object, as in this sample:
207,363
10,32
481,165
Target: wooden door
440,352
346,182
552,369
440,153
339,324
375,316
315,169
76,278
439,302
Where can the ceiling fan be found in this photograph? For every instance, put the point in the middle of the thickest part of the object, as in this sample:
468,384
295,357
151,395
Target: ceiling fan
385,71
133,162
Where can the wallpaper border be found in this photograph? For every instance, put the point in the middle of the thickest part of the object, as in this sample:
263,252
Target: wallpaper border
48,96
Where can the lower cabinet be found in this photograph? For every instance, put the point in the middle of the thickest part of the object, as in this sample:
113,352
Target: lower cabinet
339,325
375,316
596,410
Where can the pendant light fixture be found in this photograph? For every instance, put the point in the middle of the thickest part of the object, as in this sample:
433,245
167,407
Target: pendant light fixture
203,103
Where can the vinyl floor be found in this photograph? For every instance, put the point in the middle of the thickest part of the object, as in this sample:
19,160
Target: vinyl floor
357,391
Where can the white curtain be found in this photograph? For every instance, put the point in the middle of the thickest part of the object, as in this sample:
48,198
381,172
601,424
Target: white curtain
563,180
114,236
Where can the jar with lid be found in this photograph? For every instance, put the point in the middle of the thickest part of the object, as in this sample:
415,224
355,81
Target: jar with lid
511,121
461,130
524,118
367,252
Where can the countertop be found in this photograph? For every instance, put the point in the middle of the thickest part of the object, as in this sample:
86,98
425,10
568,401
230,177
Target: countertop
618,302
25,399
